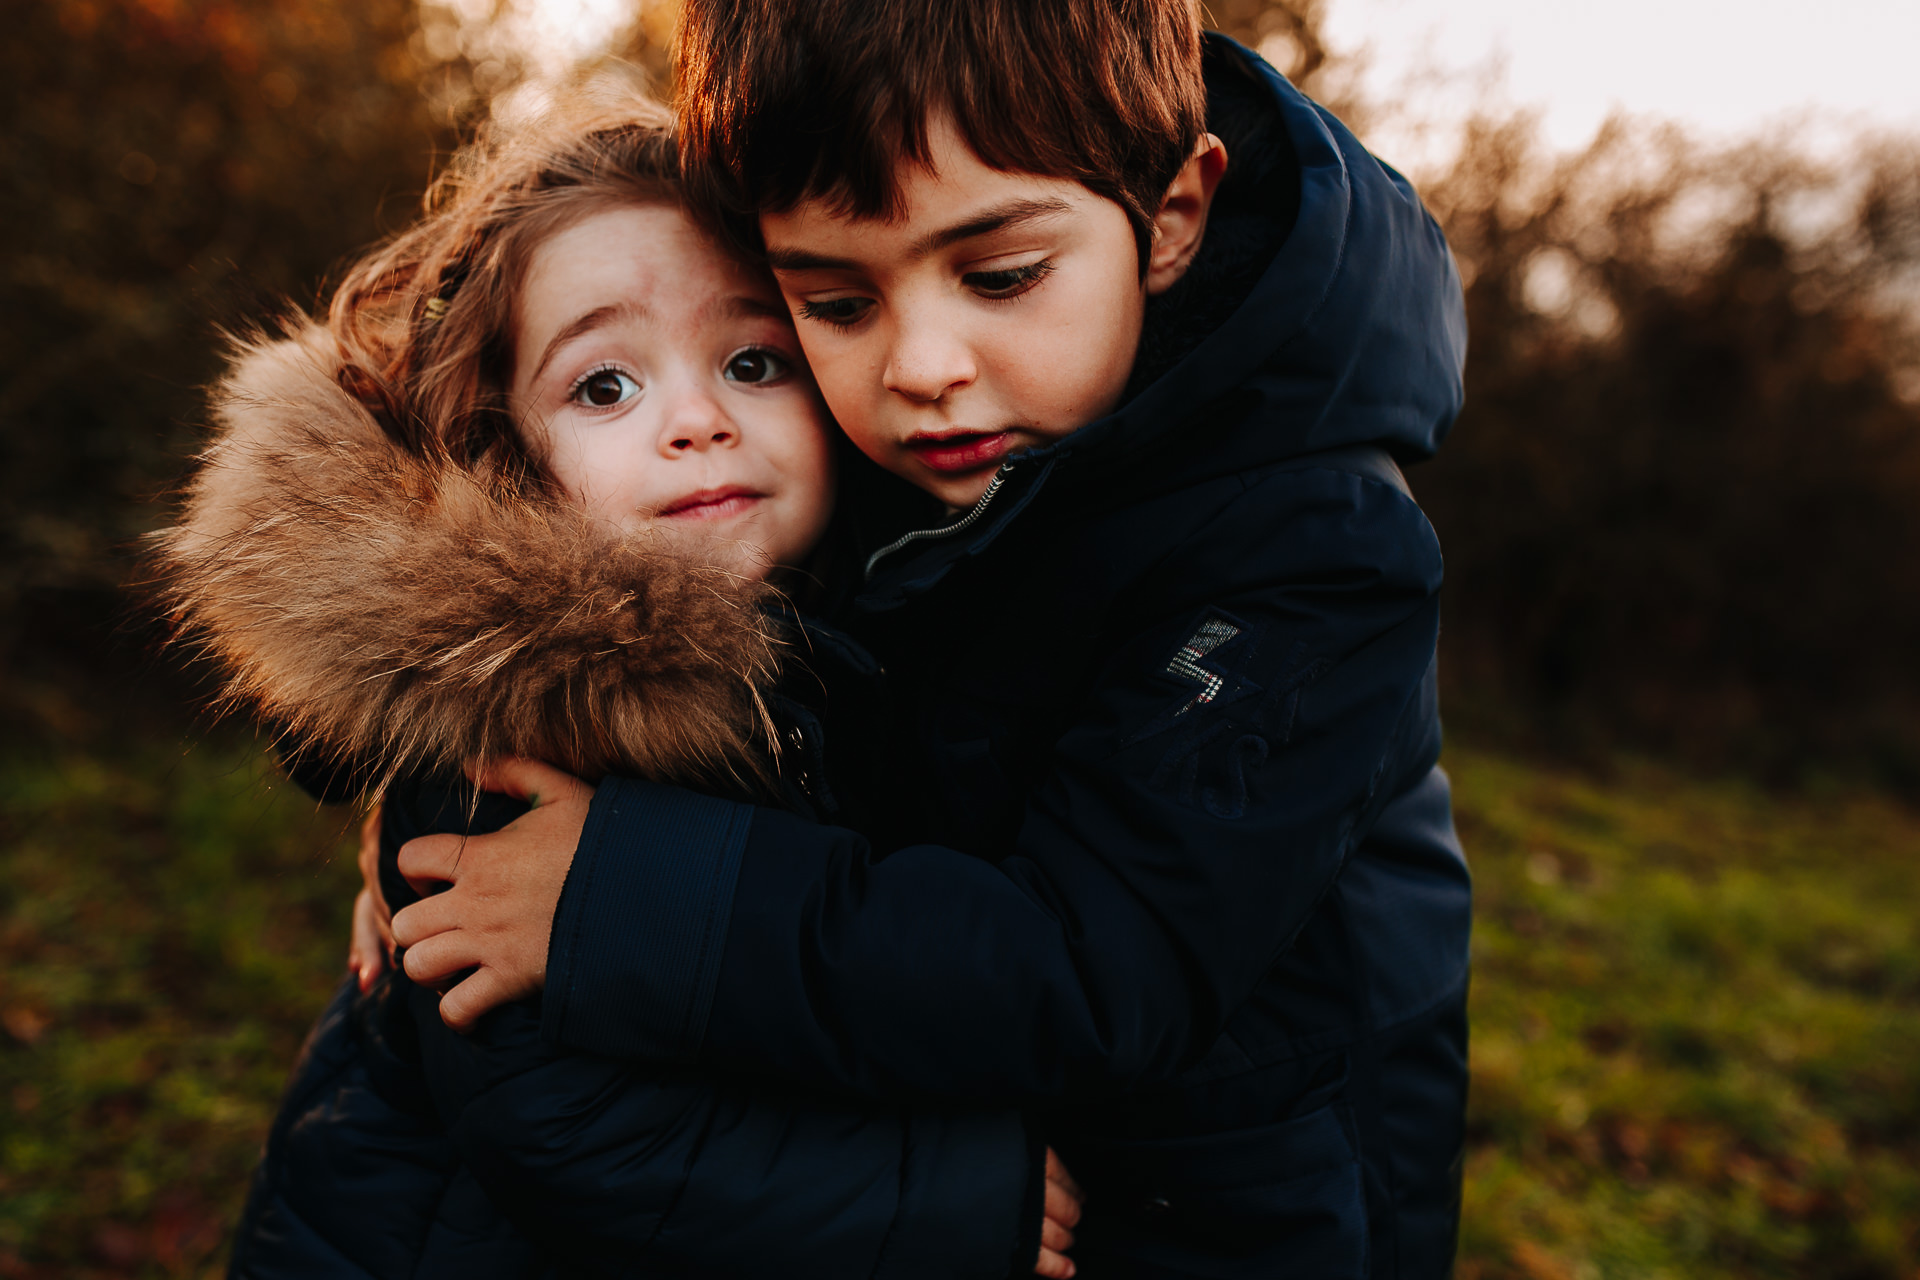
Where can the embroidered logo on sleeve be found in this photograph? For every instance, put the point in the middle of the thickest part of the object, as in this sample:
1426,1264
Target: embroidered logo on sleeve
1213,633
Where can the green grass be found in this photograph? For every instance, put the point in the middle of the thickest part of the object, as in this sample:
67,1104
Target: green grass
169,925
1696,1029
1696,1034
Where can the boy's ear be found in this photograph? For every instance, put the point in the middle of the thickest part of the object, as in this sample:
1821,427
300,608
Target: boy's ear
1182,219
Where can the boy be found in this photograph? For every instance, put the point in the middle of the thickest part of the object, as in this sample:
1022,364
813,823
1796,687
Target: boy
1146,330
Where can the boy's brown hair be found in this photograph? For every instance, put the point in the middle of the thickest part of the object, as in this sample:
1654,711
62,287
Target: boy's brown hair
425,322
782,101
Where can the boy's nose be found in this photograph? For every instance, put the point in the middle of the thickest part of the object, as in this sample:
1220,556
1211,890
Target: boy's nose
926,364
695,423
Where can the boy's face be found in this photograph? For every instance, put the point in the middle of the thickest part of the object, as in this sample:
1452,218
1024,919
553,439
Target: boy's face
1000,312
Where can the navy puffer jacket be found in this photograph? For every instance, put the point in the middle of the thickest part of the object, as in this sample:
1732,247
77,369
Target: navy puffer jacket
403,1149
1179,864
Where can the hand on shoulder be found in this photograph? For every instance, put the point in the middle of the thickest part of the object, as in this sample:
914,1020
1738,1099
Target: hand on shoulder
496,914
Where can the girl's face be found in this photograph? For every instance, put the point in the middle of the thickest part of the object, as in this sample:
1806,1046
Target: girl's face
660,382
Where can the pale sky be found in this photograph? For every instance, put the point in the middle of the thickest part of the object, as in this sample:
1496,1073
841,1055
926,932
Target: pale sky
1726,69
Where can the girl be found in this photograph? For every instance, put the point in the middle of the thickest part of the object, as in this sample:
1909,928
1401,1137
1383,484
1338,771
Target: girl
532,490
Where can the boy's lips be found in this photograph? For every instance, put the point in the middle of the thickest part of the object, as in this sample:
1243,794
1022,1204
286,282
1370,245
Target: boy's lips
955,451
711,504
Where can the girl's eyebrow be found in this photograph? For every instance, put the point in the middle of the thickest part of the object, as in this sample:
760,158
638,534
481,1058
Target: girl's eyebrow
587,322
741,306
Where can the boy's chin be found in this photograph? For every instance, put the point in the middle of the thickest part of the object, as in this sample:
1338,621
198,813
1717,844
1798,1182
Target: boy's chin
958,491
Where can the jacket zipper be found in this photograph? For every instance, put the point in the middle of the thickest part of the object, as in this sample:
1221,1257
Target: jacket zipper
946,530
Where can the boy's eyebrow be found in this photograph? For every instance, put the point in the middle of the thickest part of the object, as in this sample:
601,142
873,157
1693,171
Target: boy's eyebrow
586,322
999,217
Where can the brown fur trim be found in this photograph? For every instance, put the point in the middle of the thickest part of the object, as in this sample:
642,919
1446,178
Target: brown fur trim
397,612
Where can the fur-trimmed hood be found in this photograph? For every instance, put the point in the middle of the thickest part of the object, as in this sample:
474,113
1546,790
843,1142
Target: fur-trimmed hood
394,612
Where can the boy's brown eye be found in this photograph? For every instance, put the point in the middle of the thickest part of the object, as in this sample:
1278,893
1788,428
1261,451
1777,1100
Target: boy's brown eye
837,311
1010,282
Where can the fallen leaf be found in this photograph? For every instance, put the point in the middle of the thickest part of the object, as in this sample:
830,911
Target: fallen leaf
25,1024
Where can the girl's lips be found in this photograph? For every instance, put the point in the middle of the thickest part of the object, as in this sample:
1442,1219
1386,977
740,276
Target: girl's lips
711,504
968,451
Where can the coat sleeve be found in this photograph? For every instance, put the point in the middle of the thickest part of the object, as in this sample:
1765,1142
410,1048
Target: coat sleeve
610,1166
1230,752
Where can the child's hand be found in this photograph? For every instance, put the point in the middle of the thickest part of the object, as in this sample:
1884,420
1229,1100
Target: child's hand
1062,1215
372,920
498,915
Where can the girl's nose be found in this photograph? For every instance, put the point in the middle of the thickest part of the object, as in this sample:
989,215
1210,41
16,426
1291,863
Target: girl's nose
695,422
927,362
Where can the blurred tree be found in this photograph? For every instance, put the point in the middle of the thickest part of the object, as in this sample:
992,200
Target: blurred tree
174,166
1681,503
1287,34
1679,506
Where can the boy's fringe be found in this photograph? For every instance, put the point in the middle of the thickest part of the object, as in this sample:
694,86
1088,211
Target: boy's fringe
393,612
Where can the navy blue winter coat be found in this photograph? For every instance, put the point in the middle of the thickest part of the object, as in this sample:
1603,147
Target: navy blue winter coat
405,1150
1179,864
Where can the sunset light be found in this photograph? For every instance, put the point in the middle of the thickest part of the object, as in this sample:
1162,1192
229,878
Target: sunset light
1719,67
609,667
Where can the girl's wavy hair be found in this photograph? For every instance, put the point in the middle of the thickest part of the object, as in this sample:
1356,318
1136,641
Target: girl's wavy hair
425,322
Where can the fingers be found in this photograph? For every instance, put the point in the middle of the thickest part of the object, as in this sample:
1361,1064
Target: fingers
528,780
1061,1207
487,989
432,962
426,919
431,859
367,953
1054,1264
372,940
1063,1197
370,871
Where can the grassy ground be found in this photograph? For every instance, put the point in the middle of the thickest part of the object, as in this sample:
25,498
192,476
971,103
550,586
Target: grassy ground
1696,1049
169,925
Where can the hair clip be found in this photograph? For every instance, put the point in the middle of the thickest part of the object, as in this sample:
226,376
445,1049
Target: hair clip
436,310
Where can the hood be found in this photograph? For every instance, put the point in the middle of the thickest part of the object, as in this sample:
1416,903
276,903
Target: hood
1323,304
1323,311
397,612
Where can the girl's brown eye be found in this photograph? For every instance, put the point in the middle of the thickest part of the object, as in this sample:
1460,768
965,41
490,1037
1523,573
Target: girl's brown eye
605,388
756,365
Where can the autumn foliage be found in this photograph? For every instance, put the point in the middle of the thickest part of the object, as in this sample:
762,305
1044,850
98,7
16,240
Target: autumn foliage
1682,507
1679,511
